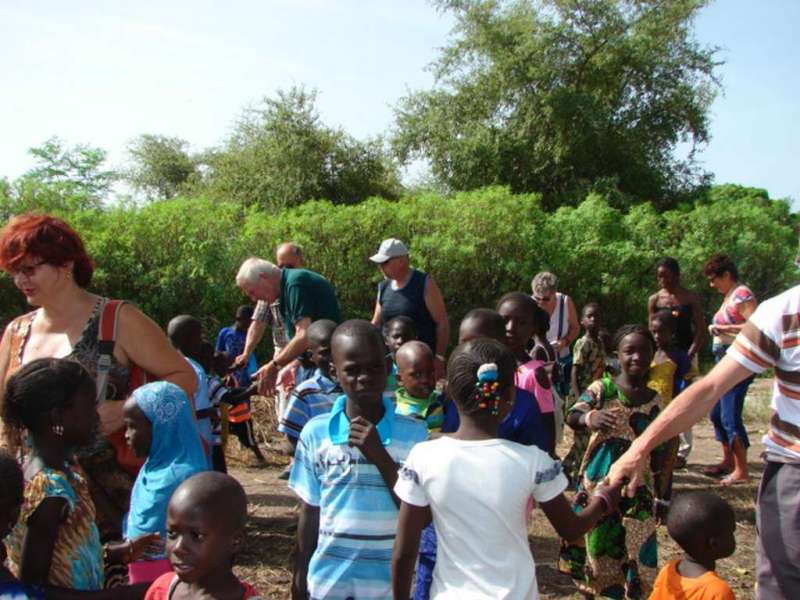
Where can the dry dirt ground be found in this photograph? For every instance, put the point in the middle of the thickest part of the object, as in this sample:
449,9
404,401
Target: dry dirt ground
266,559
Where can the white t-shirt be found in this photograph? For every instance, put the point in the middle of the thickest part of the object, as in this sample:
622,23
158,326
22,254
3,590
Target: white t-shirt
478,492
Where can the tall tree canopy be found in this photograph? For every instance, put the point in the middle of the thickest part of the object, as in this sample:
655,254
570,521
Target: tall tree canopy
161,166
562,96
281,154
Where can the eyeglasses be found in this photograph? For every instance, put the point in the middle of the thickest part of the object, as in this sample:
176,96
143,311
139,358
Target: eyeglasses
28,271
541,299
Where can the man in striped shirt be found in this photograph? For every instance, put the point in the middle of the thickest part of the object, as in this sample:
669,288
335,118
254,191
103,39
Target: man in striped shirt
344,472
769,340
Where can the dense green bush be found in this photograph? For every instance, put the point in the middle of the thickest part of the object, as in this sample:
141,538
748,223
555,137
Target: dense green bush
182,255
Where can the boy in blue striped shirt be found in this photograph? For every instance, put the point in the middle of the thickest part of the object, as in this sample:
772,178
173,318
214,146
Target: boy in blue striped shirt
344,472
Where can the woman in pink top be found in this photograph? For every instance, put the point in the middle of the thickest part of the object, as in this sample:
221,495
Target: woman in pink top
737,305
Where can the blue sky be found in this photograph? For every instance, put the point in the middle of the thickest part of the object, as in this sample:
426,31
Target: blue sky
104,72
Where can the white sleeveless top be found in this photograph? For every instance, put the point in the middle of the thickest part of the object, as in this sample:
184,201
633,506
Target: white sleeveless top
559,323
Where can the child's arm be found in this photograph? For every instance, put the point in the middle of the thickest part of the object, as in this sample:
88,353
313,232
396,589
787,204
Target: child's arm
574,381
570,525
364,436
40,539
307,534
410,523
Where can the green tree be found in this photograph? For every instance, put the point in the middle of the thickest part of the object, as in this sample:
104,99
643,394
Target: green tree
76,170
564,97
161,166
281,154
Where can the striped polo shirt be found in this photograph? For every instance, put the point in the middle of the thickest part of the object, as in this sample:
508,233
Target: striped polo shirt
771,340
358,518
315,396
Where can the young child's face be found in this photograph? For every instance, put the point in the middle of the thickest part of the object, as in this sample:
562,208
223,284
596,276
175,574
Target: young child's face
199,545
360,368
590,320
519,324
80,419
635,354
398,334
321,353
416,374
138,429
661,334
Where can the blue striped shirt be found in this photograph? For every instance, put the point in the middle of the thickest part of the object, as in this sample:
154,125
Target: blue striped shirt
358,518
315,396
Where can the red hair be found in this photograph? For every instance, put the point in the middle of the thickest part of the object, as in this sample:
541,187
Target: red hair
50,239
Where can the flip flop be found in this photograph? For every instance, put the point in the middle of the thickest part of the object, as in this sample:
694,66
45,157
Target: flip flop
730,481
716,471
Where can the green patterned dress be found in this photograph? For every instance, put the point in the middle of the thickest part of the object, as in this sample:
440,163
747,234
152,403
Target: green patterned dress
618,557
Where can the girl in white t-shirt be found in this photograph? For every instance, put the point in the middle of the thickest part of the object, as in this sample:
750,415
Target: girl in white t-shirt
476,487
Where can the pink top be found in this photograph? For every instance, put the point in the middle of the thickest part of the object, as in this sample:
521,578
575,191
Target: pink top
525,378
728,313
163,587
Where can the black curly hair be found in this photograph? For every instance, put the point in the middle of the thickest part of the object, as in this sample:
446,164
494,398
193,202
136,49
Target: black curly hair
39,387
632,328
462,371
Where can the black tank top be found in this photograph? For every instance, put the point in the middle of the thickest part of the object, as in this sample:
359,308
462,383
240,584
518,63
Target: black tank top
409,301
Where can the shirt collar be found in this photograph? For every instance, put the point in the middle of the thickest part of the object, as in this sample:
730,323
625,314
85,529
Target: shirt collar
339,424
326,384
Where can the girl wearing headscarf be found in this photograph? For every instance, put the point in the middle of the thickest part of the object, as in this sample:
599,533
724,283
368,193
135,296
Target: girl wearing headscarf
159,426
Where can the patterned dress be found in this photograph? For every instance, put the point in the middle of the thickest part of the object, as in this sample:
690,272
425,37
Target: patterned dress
618,557
109,484
77,561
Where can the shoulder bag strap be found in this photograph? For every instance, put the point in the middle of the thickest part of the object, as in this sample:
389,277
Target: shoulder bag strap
106,338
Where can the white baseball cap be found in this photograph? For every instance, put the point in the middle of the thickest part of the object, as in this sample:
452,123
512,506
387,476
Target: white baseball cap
389,249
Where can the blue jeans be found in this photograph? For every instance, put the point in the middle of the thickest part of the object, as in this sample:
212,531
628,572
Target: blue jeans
727,412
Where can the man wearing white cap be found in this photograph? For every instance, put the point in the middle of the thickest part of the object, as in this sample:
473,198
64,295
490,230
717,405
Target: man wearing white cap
412,293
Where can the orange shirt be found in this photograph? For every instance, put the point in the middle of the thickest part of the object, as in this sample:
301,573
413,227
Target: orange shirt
671,585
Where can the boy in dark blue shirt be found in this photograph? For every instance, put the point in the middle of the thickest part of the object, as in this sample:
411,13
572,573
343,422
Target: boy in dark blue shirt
230,340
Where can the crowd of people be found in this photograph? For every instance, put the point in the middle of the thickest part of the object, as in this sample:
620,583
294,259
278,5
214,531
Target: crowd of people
416,473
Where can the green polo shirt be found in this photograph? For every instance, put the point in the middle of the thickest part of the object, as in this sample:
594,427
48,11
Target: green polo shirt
303,294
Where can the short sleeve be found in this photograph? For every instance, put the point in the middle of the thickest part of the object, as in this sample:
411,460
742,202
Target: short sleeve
590,399
298,302
757,347
409,487
159,589
578,353
296,415
58,486
547,477
741,295
262,312
304,479
220,346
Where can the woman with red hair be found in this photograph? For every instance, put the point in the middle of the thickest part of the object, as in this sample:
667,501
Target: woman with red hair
48,262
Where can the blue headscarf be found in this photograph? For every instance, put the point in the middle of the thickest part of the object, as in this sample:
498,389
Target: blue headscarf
176,454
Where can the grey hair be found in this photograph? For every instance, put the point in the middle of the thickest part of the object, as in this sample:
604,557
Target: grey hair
543,283
253,268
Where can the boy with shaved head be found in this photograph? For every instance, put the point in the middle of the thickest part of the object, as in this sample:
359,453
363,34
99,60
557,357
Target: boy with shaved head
205,529
344,472
416,395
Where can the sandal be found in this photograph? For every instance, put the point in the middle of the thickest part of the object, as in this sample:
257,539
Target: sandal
716,471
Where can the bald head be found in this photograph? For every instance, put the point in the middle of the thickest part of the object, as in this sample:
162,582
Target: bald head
218,496
290,255
186,334
413,352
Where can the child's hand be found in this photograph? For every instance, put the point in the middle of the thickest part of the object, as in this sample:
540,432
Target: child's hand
610,494
364,436
148,542
597,420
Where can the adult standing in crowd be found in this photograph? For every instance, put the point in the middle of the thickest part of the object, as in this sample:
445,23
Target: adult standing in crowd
288,255
766,341
738,304
409,292
690,325
48,262
303,296
564,326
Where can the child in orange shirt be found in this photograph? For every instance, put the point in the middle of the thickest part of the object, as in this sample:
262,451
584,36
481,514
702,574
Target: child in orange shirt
703,525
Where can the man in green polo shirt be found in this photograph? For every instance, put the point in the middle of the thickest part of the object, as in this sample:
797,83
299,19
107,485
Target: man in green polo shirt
305,297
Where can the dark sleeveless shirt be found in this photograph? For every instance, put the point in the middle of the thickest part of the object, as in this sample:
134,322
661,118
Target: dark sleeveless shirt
409,301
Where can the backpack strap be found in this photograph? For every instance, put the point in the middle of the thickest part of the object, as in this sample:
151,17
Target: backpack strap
561,307
106,338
